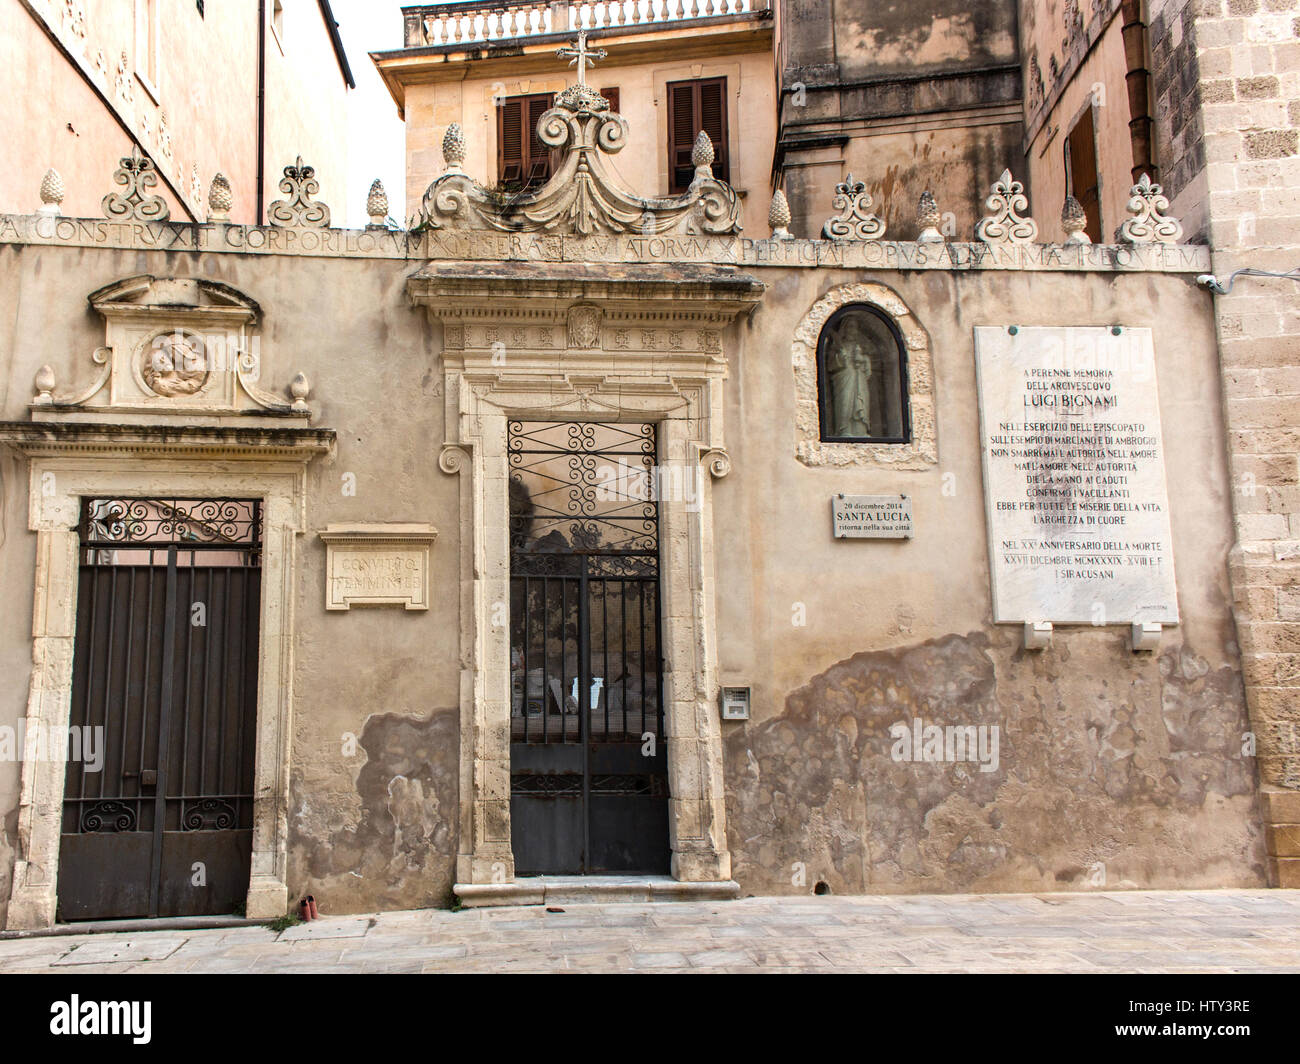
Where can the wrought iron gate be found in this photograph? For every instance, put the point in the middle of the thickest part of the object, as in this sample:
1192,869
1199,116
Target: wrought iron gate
589,782
164,688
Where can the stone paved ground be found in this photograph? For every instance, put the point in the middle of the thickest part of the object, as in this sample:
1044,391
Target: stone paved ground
1147,931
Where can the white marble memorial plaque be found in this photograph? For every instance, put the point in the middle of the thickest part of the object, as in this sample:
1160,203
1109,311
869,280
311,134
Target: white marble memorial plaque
377,565
1074,476
871,516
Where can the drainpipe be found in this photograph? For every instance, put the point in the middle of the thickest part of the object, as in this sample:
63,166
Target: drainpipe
261,107
1138,80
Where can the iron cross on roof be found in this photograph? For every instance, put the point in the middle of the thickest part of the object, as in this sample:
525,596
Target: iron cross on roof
582,56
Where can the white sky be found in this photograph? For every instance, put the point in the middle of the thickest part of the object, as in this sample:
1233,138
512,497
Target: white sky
376,136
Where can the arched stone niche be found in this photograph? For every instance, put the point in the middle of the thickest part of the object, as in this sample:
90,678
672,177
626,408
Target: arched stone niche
922,450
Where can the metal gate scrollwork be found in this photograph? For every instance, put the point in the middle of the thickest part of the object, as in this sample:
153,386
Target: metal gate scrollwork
589,786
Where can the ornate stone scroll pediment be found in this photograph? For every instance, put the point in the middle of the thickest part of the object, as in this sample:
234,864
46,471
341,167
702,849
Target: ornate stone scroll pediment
1149,224
299,210
174,347
854,220
135,203
582,197
1005,224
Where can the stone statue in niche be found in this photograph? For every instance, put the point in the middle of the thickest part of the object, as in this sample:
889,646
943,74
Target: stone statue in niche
848,369
861,378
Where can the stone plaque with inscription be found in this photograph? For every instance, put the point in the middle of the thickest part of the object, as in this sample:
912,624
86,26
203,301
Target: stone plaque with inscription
871,516
1074,476
377,565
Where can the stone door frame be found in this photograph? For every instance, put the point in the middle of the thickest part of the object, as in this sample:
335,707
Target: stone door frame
595,352
59,478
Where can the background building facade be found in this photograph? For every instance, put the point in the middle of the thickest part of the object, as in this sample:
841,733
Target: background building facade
202,88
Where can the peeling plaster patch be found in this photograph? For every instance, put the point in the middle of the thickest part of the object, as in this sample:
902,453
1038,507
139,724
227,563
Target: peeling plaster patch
1122,764
922,33
399,850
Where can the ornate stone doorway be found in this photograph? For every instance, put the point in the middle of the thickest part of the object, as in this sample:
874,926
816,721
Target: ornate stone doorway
158,809
588,750
525,344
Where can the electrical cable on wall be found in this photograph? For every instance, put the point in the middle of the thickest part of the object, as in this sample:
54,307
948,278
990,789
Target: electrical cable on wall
1219,288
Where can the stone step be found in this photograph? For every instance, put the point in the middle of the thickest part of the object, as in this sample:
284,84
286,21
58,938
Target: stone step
578,890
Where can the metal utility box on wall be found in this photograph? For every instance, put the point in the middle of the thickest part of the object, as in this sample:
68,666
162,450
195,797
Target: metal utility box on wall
734,702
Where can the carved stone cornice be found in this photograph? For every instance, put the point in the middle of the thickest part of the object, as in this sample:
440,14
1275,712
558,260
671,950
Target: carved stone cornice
45,439
526,293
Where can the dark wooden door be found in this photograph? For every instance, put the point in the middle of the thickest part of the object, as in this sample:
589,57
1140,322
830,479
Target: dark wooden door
158,799
589,781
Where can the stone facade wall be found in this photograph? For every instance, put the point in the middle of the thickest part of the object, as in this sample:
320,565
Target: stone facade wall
1247,77
1115,768
1082,79
1178,91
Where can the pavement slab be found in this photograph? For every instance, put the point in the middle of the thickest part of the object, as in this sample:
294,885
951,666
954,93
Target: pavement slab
1135,931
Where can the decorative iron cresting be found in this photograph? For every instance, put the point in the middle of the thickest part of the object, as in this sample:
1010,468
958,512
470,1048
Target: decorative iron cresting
187,523
583,488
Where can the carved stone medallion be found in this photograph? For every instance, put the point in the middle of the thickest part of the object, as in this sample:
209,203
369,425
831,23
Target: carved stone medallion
174,364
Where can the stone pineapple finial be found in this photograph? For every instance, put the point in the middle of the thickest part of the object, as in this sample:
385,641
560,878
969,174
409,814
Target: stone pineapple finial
51,192
1074,220
778,216
220,199
300,388
928,218
702,156
453,147
44,385
377,204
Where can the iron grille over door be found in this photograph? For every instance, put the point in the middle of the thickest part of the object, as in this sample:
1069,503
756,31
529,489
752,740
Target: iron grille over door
589,786
164,687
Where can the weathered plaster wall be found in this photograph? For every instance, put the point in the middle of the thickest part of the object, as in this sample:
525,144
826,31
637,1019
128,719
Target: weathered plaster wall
306,109
905,96
957,164
1105,756
375,750
1131,761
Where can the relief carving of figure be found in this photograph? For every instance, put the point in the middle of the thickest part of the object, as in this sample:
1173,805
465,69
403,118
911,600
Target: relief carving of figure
175,364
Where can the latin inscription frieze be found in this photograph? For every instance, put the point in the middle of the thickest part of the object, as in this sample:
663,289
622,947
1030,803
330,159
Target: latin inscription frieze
614,248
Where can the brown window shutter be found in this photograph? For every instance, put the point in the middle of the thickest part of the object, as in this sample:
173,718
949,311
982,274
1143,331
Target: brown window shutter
522,159
539,155
611,95
713,120
682,123
694,106
510,141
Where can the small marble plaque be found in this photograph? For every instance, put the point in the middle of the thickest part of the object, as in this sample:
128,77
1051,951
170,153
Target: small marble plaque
377,565
1074,476
871,516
